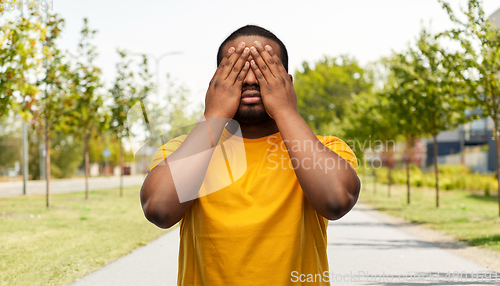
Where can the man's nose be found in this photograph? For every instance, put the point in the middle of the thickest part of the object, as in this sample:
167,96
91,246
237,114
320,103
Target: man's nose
250,78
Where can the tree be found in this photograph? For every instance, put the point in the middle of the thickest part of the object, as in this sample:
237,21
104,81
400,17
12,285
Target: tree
144,89
479,63
404,98
52,101
408,156
179,111
324,92
88,113
370,118
20,57
106,140
431,89
125,95
10,143
65,154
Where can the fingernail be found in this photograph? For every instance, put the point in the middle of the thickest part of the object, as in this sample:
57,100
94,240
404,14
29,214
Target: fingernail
268,47
246,65
231,50
241,45
253,49
245,51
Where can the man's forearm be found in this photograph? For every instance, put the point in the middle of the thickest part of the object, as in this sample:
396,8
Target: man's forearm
159,195
331,186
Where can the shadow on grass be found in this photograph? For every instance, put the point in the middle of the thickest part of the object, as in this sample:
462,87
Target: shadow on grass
491,198
485,240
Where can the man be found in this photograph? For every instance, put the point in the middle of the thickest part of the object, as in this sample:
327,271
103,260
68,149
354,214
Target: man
267,226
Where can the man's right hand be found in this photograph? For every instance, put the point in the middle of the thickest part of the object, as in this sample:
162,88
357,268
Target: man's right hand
160,201
224,92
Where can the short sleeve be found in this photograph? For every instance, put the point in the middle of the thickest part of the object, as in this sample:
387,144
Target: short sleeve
341,148
164,151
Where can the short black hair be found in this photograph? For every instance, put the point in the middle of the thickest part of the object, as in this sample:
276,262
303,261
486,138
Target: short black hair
253,30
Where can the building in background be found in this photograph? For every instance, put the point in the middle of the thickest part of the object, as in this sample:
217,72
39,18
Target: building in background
471,144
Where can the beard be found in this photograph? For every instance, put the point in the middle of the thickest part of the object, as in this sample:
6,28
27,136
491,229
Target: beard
252,115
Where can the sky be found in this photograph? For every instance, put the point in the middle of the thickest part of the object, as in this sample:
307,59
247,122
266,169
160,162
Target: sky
364,29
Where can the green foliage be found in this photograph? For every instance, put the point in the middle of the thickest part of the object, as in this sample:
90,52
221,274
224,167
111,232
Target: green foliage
451,177
106,140
86,111
65,155
369,122
325,91
124,94
479,63
52,100
10,143
427,97
20,57
35,139
179,110
479,59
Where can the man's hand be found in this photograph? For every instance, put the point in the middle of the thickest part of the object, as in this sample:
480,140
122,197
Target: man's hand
224,92
332,191
276,88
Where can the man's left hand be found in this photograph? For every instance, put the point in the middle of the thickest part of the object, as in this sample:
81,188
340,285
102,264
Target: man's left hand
276,88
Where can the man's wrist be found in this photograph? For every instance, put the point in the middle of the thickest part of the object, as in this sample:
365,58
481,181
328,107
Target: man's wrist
214,115
286,115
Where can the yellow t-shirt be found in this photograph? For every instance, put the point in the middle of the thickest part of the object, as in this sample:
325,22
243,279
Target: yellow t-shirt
259,229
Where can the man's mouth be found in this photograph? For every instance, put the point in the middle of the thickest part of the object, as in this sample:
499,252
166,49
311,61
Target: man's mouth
250,96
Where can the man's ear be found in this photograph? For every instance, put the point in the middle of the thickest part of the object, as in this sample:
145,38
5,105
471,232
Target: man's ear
291,77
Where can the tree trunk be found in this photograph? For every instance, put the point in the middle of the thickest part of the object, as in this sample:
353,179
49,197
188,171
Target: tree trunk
436,168
121,168
407,182
374,181
497,143
47,163
86,152
390,181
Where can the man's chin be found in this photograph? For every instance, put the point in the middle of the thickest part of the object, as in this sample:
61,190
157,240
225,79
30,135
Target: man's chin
252,115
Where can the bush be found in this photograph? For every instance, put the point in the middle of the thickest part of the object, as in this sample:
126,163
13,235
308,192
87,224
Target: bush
451,177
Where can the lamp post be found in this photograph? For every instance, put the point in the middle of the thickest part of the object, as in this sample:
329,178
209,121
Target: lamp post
25,144
24,151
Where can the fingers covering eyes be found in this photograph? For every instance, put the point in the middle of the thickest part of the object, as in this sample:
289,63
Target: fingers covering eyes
262,65
258,73
238,66
276,60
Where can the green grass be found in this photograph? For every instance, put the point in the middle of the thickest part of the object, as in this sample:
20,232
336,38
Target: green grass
40,246
471,218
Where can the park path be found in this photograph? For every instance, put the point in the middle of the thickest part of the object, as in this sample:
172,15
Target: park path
15,188
363,249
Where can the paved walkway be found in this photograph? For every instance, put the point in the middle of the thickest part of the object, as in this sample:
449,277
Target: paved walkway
363,250
15,188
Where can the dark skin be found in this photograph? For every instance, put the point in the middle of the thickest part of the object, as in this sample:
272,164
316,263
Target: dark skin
252,62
